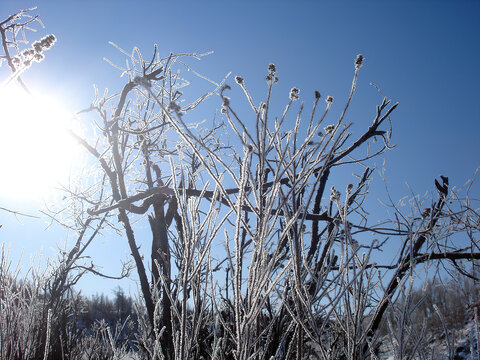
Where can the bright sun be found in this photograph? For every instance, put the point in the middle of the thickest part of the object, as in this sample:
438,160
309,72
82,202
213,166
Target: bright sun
36,153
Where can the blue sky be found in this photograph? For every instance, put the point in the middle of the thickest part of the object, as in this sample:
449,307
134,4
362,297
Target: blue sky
423,54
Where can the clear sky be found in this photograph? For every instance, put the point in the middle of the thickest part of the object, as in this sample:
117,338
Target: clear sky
423,54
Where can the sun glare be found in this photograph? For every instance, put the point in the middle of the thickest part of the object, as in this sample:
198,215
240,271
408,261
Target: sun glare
36,153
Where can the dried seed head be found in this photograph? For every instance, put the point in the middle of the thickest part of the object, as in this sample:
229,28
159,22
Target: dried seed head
48,41
28,53
38,57
317,94
238,79
35,53
225,87
359,61
226,101
174,106
272,69
294,93
349,188
334,194
355,244
329,99
37,46
329,129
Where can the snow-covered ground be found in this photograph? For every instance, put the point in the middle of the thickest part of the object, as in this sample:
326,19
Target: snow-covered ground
463,346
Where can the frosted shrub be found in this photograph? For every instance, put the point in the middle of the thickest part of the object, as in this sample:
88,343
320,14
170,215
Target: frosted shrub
255,251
